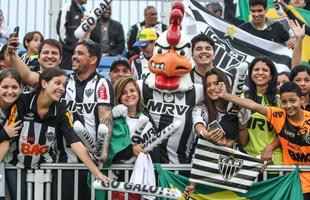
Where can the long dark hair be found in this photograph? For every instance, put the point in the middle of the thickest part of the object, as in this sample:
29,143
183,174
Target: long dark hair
272,85
12,73
210,104
47,75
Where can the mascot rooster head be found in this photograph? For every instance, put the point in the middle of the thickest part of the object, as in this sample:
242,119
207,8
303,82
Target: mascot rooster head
171,63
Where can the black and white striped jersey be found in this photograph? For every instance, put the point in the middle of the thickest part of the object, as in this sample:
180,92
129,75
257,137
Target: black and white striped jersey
38,139
165,108
82,99
200,115
196,78
140,67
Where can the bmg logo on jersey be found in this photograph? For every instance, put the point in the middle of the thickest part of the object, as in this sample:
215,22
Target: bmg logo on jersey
33,149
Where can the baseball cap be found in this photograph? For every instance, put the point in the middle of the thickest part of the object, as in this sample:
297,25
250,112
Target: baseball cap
145,36
120,60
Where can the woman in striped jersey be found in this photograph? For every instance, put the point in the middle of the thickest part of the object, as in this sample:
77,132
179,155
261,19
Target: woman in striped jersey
45,122
215,108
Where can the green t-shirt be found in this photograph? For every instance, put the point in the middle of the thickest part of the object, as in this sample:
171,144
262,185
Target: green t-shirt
261,133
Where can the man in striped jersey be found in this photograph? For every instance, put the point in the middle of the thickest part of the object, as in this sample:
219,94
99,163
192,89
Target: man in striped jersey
203,56
169,93
89,98
85,90
88,95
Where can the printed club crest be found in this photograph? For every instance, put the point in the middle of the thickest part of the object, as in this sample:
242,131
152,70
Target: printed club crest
229,166
50,136
89,92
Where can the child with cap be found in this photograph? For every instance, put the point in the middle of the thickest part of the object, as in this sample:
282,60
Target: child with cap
146,43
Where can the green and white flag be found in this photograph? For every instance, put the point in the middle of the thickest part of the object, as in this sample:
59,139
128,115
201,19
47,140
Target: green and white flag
287,186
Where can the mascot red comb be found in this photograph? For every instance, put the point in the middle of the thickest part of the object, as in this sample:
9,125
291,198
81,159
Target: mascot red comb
168,92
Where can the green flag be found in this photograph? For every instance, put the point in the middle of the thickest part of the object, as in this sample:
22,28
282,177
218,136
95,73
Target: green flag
287,186
120,139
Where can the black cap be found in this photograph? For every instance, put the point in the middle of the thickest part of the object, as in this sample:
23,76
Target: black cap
120,60
2,49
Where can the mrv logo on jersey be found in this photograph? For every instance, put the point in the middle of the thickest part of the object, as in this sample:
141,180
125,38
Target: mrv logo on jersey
167,108
81,108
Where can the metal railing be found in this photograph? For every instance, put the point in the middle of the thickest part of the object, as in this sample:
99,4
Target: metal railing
40,178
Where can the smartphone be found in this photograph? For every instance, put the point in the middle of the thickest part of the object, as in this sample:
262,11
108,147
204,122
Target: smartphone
214,125
16,31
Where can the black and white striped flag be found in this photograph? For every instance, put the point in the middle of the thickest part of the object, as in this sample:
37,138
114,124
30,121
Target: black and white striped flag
223,167
232,45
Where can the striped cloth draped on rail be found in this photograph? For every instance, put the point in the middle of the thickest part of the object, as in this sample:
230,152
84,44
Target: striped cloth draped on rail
224,167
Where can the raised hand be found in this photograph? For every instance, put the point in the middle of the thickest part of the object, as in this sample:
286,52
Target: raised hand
13,43
221,89
299,31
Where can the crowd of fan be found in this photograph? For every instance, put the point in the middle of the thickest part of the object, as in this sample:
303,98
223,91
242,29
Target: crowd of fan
36,71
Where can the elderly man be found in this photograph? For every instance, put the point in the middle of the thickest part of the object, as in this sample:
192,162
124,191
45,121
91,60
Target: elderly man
150,21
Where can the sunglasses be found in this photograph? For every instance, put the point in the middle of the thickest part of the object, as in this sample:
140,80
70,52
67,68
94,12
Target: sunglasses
90,43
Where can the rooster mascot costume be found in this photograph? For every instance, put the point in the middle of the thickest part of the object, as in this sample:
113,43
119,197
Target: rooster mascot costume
168,92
